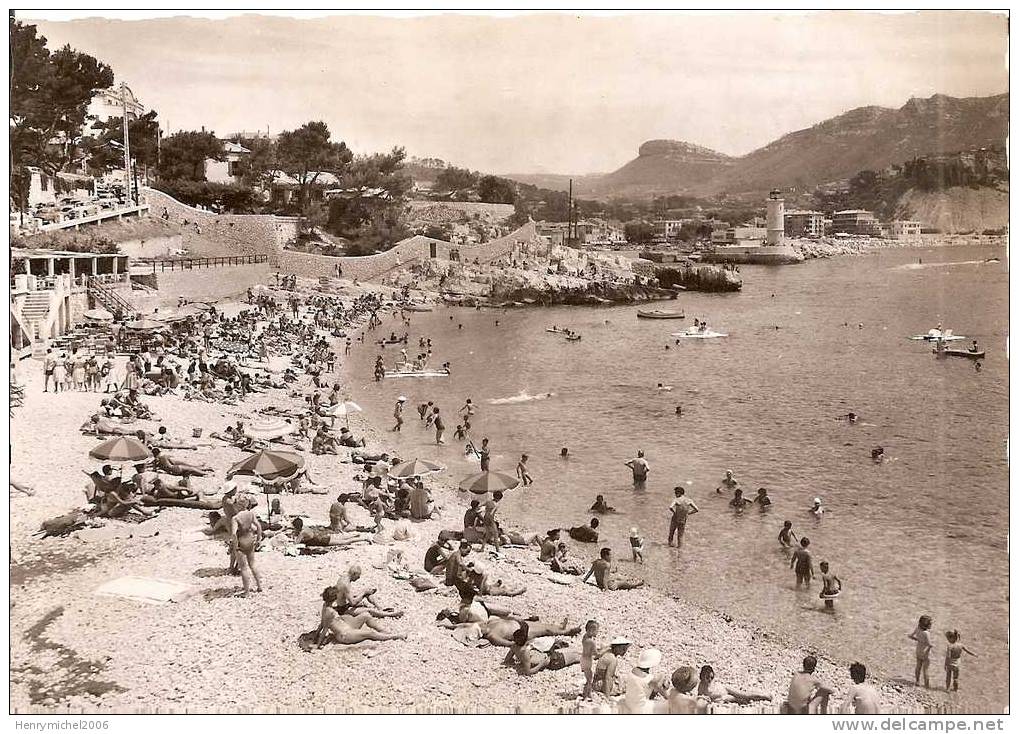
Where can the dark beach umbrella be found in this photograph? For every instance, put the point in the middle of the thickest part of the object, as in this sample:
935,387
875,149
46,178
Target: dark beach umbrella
122,449
488,481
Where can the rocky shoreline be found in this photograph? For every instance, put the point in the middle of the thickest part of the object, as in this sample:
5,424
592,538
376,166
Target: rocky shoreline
75,651
831,247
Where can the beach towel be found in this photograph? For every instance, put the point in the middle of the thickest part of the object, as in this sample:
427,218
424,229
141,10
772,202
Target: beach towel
147,590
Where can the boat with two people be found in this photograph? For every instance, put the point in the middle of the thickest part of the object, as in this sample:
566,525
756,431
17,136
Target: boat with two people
660,314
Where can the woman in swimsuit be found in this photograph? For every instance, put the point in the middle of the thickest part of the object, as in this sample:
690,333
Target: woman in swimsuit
245,535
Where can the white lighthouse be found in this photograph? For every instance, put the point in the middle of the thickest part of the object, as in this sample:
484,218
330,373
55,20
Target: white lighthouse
776,217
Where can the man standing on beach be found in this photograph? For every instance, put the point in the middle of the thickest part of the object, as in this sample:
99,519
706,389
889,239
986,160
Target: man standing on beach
48,366
681,508
398,413
485,454
640,469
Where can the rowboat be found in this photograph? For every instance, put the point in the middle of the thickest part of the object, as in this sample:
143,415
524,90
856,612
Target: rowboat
417,373
573,338
659,314
554,330
961,353
933,335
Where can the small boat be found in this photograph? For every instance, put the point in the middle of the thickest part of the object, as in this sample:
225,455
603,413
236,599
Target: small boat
960,353
417,307
698,334
390,343
556,330
933,335
417,373
659,314
573,337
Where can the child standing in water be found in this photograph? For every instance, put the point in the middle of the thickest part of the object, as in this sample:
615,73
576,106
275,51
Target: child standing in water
924,645
952,656
786,536
637,545
831,585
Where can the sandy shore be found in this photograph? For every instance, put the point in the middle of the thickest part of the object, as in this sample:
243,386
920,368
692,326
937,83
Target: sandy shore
74,650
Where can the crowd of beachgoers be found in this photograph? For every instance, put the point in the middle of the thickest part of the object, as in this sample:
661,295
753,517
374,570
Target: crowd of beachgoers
296,477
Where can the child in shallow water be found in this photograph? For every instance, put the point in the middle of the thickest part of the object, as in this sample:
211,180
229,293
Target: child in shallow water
637,545
952,655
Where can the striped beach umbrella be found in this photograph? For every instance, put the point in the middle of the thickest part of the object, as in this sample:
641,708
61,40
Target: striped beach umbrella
122,449
269,429
488,481
415,468
268,465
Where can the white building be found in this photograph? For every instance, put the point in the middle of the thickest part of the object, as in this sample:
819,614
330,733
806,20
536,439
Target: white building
231,168
904,229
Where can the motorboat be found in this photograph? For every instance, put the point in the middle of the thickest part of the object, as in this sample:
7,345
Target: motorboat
960,353
934,334
659,314
696,333
417,373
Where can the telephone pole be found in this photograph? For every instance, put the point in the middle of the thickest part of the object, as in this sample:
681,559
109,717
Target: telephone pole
127,142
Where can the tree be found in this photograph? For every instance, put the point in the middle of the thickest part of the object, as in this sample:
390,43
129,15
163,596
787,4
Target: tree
107,150
49,98
307,152
495,190
458,181
183,155
638,233
261,166
372,204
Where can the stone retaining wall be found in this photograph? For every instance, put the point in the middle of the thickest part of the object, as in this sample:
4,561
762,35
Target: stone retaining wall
372,267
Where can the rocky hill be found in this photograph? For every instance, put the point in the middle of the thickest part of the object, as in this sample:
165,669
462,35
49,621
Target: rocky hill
871,138
956,210
833,150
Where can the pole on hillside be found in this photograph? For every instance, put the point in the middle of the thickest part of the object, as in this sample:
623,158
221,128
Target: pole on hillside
127,141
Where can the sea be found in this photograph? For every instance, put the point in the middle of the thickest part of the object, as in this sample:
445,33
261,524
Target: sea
924,532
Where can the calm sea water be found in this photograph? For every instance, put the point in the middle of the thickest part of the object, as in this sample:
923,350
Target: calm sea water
925,532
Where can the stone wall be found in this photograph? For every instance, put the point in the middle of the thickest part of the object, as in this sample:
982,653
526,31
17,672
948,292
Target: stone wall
239,234
373,267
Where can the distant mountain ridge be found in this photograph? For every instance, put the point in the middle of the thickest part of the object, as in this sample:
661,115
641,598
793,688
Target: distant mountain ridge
835,149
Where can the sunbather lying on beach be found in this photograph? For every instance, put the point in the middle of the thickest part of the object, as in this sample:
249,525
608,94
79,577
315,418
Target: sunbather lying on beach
324,536
529,658
348,629
500,631
121,501
719,693
170,465
481,577
102,426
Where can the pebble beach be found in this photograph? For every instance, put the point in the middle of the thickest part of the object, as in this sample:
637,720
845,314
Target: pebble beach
211,651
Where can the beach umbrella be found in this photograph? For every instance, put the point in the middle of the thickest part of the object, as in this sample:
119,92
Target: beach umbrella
488,481
199,306
169,316
98,314
268,465
344,408
122,449
415,468
269,429
145,325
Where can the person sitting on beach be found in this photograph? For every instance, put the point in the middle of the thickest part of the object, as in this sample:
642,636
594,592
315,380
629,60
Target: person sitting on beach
347,629
473,518
560,563
481,578
421,505
102,482
456,567
169,465
547,547
600,506
348,602
338,520
323,442
680,697
862,698
121,501
807,694
715,692
347,439
601,569
436,556
585,533
605,678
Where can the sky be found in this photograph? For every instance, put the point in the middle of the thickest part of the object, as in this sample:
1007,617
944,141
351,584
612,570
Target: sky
547,93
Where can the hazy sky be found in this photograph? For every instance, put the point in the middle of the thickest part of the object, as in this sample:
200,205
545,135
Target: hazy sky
548,93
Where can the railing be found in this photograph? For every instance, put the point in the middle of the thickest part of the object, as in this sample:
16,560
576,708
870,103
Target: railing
109,298
196,263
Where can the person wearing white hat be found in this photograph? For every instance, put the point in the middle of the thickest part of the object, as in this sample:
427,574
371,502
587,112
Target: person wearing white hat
605,669
817,511
398,413
642,684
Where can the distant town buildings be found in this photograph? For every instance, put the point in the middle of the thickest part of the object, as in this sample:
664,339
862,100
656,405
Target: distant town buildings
800,223
904,229
856,221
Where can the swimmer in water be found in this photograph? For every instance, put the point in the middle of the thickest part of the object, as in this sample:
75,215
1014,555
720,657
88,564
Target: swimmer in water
679,410
762,498
565,453
786,536
816,510
600,506
664,388
877,455
729,483
739,502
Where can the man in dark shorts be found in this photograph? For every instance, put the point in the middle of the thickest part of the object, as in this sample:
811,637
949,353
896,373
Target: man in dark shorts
802,563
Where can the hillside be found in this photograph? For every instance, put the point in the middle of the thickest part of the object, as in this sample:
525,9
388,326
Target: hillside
956,210
833,150
872,138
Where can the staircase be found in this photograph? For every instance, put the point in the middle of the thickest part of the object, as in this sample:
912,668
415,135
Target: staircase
109,299
34,312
